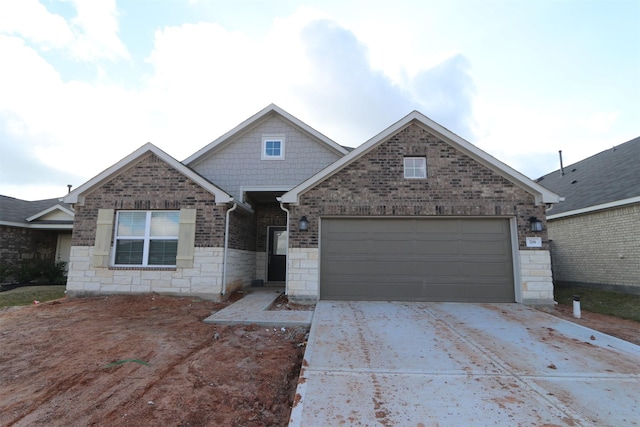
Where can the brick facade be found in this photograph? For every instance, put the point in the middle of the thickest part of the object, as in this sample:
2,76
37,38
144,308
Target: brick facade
374,185
598,248
147,185
18,245
151,184
456,185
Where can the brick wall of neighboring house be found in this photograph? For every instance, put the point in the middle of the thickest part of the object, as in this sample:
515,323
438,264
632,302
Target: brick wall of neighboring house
456,185
599,248
151,184
18,244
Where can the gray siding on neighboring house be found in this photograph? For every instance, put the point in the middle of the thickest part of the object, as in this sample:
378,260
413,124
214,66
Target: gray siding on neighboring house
237,163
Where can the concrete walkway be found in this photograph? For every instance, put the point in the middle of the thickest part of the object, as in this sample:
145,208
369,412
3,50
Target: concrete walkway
425,364
252,309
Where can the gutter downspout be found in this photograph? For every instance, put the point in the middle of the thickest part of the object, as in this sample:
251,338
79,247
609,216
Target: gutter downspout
226,248
286,278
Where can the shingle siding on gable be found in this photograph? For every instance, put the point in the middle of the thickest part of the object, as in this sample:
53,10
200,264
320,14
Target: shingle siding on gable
238,164
374,185
598,247
151,184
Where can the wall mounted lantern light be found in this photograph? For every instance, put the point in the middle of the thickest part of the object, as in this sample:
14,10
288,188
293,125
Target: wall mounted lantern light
304,224
536,224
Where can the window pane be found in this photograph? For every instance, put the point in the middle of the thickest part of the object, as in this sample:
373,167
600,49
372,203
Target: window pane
272,148
131,223
280,243
163,252
129,252
165,223
415,167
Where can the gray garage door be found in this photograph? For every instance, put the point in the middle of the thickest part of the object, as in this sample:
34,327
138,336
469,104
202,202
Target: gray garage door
467,260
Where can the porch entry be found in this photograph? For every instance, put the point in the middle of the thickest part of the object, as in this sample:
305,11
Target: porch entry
276,254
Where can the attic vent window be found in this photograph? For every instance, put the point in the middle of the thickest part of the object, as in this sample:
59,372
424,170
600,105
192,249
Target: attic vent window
273,147
415,167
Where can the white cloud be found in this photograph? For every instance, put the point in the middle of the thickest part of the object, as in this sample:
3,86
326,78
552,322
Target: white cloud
92,34
32,20
96,27
205,80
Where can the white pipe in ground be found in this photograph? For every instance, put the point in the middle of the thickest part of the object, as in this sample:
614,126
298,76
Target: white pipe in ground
576,306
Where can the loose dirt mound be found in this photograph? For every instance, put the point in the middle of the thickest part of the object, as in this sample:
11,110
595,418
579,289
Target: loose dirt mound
142,360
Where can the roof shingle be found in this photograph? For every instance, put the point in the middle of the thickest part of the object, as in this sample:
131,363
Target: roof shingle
606,177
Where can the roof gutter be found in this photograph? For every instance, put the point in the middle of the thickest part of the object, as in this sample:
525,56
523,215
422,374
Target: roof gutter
286,281
610,205
226,248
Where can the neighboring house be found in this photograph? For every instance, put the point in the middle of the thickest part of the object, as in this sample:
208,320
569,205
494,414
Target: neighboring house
38,229
415,213
595,230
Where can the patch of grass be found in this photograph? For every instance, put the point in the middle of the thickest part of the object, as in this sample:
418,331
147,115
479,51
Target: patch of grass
25,295
625,306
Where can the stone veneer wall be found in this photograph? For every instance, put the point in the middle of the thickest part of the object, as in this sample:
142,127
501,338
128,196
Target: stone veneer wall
303,275
240,269
203,280
598,248
536,279
374,185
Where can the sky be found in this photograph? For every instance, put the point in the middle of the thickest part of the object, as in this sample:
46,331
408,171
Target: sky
83,83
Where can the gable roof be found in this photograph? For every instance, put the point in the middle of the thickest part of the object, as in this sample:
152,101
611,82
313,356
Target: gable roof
542,195
271,109
76,195
33,214
606,179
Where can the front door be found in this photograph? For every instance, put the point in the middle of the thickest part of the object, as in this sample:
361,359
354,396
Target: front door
277,254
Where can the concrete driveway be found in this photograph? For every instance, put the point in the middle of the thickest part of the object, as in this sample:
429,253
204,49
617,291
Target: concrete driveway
425,364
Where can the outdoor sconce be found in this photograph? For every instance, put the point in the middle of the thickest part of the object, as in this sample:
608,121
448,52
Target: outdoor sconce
304,224
536,224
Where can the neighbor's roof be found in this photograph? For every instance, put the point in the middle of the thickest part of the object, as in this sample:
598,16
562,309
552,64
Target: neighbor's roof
542,194
242,127
33,214
607,179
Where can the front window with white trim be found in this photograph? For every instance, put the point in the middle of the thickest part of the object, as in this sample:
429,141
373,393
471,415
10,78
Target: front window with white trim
415,167
146,238
273,147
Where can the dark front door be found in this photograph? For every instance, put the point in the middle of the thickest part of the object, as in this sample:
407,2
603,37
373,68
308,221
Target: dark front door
277,254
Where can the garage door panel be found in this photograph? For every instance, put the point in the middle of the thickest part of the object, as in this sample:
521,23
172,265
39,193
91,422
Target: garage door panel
416,259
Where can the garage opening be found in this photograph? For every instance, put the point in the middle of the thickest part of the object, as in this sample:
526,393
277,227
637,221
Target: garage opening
416,259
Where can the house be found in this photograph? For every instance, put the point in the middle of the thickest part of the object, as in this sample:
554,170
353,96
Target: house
34,230
415,213
594,231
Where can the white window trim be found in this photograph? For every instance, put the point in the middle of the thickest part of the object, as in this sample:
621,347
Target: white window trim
266,138
404,166
146,239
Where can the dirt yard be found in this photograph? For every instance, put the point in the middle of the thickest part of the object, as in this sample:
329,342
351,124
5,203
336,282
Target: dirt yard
628,330
150,360
142,361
